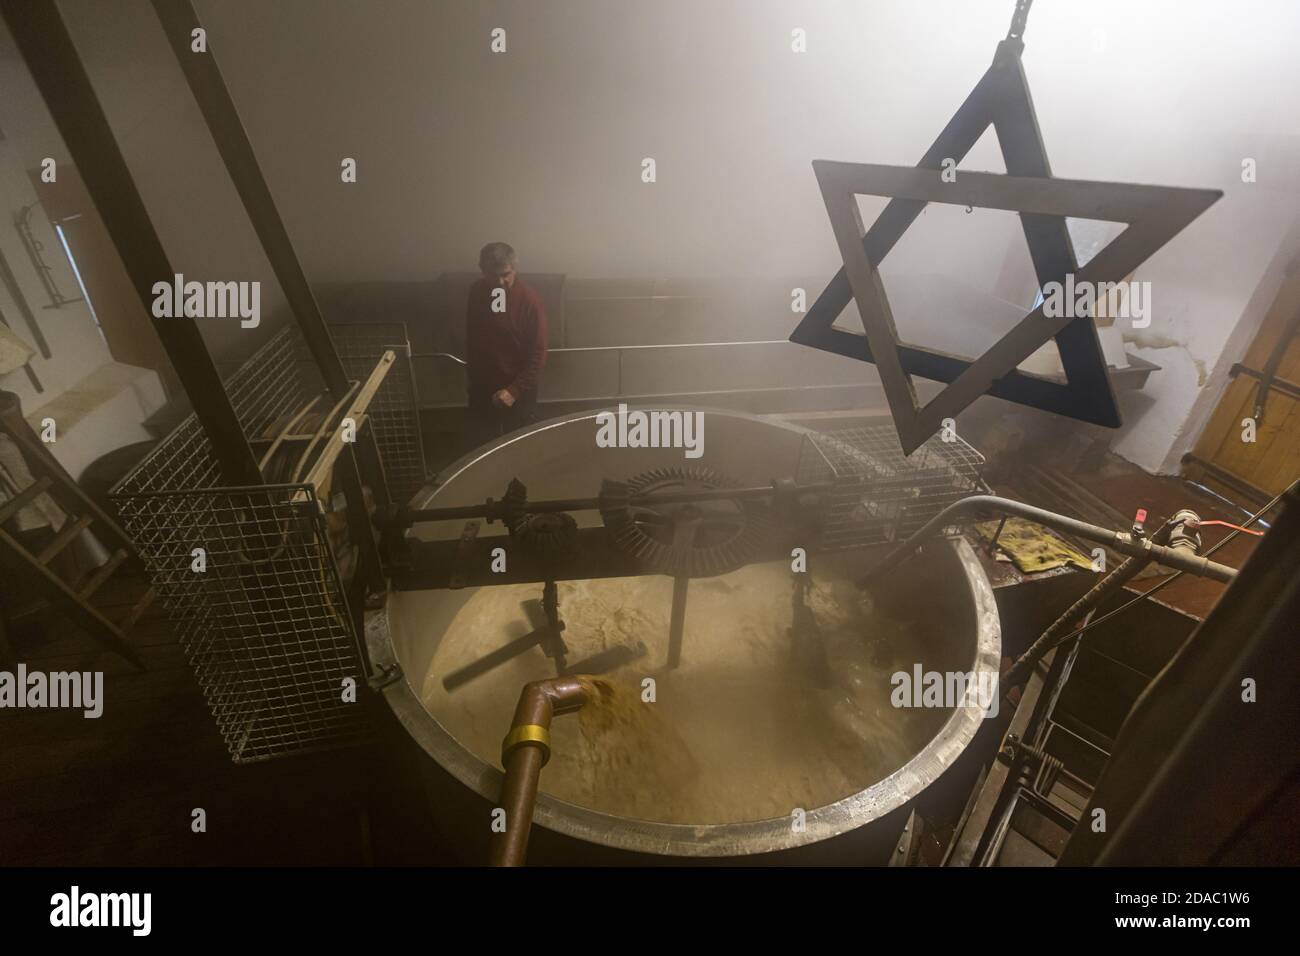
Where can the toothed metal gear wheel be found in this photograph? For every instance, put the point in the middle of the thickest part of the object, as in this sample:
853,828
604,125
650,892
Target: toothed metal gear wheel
548,535
684,539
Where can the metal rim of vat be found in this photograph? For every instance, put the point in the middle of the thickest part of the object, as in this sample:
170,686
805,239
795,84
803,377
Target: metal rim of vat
720,839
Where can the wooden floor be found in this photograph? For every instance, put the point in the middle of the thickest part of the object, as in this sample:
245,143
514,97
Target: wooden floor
121,789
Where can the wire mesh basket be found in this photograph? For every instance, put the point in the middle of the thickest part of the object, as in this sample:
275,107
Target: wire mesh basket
879,495
250,575
394,412
265,623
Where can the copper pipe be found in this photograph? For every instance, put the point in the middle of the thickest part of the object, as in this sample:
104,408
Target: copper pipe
523,753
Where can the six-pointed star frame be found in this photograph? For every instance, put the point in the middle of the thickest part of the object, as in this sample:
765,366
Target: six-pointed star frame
1154,214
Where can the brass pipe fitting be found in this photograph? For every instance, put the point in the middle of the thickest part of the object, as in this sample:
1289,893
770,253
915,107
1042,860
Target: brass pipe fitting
527,734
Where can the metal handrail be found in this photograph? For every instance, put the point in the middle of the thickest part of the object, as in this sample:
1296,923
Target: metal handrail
447,355
618,349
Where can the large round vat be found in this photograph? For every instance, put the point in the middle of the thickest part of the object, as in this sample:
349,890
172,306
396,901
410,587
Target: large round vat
941,605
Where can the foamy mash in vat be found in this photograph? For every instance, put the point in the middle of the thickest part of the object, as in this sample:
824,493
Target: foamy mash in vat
738,731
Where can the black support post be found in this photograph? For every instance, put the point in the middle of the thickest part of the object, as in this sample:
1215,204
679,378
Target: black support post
180,23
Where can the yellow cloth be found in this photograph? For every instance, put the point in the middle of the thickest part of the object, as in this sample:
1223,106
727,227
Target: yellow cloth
1033,547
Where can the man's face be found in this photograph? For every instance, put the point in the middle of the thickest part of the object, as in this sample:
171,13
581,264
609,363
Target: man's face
500,277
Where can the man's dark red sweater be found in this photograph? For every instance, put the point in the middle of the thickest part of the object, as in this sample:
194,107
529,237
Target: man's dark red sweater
505,349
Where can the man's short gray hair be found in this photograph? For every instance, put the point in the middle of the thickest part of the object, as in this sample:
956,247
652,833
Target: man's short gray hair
495,256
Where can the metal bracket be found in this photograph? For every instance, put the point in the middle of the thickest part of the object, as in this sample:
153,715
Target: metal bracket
15,291
1031,760
34,247
384,675
1001,99
464,555
1268,377
907,852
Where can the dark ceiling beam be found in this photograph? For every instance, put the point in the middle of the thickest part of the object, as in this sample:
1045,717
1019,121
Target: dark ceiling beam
179,21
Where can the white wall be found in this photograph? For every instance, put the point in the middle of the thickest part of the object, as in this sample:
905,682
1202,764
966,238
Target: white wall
76,347
97,404
542,146
180,176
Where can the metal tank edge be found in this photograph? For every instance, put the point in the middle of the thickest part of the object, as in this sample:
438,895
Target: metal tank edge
864,825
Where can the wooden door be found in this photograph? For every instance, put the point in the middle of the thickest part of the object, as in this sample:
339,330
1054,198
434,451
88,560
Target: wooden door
1253,472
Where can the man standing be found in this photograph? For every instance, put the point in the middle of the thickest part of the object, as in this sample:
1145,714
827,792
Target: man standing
505,346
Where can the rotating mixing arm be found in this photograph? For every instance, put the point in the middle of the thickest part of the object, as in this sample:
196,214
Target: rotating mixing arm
547,631
807,643
552,640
